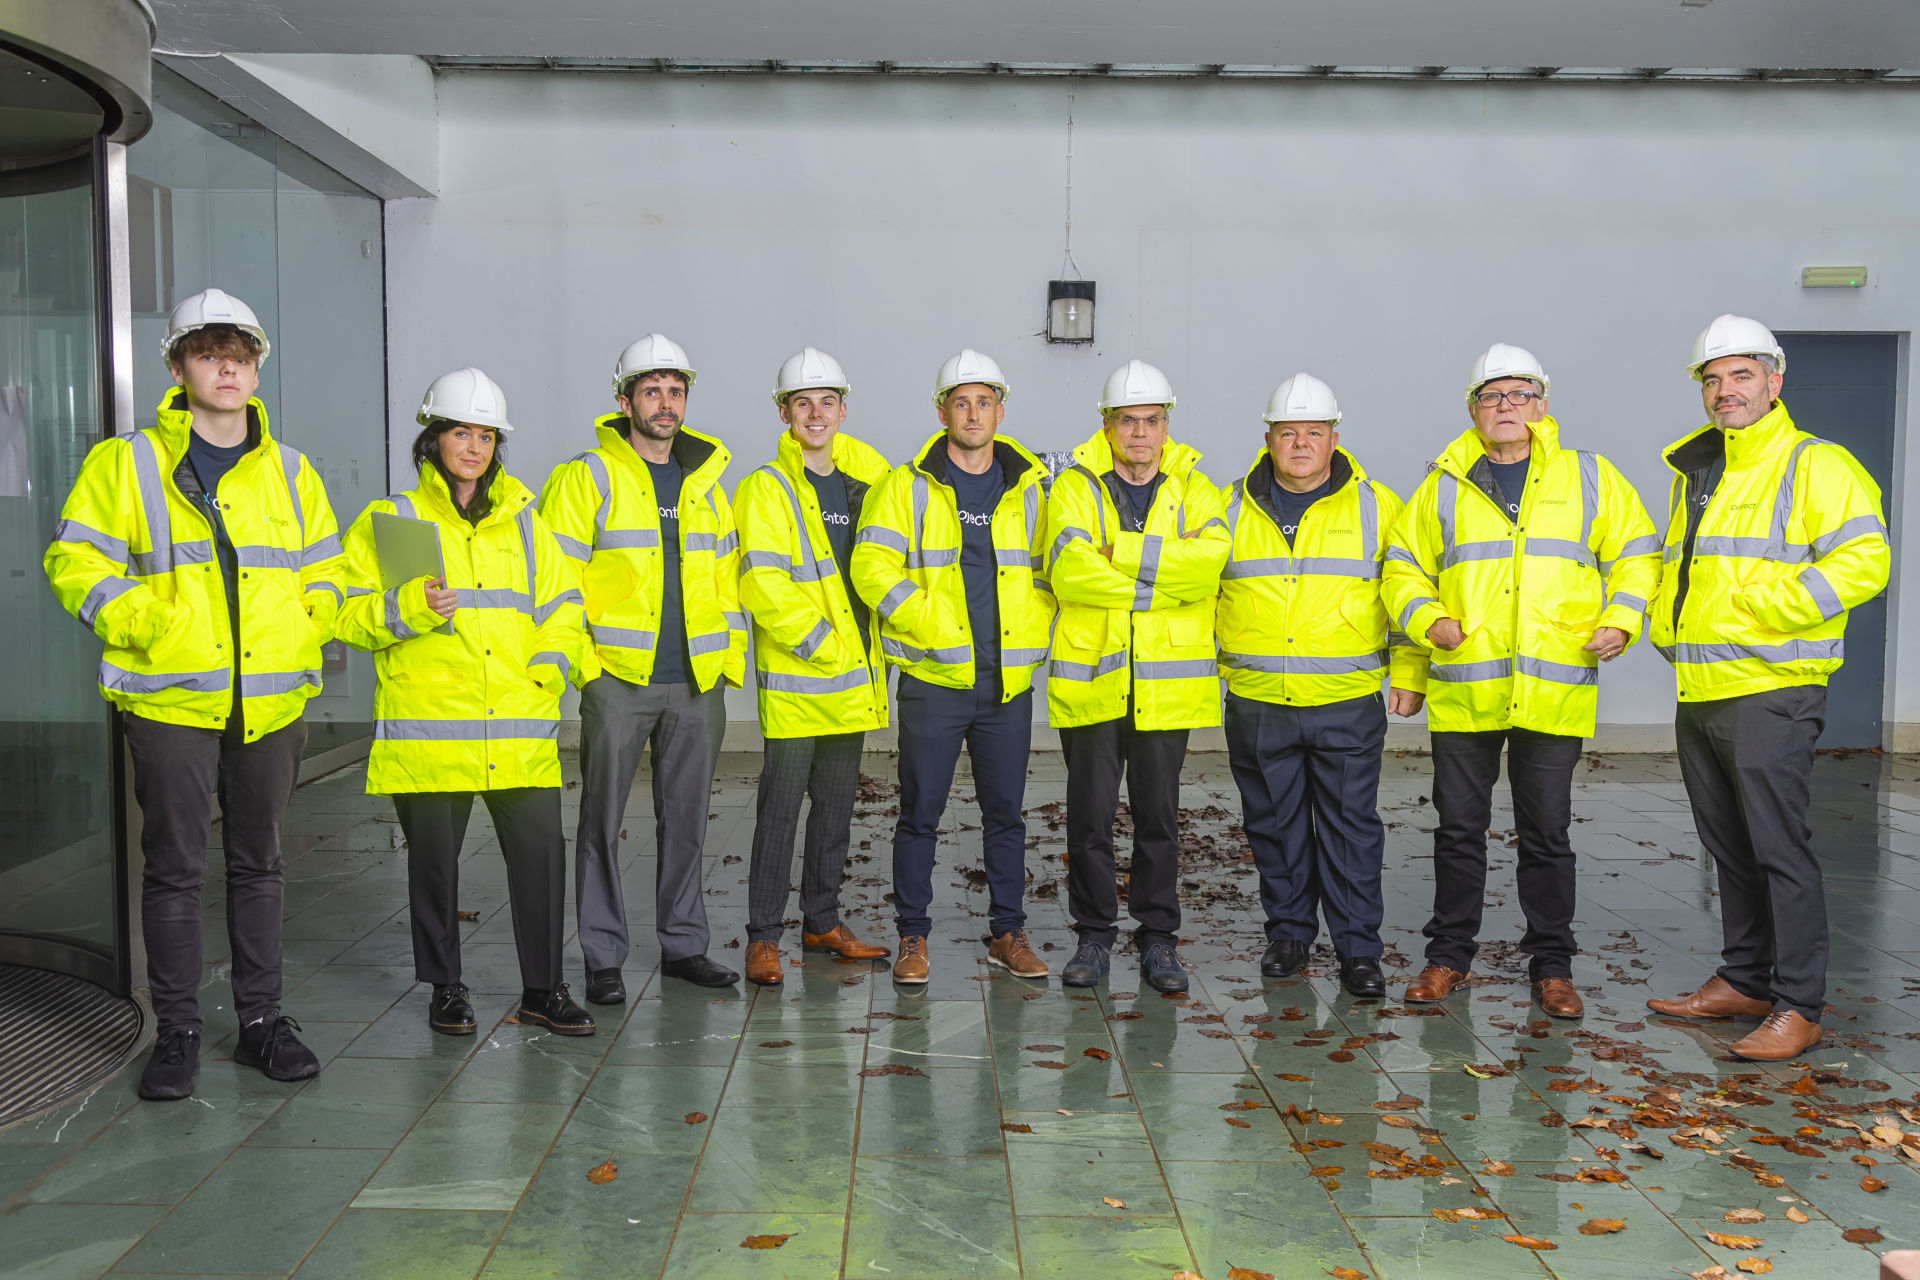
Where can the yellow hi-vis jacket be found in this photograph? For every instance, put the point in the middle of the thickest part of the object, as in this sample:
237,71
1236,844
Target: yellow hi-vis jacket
133,558
1142,621
906,565
1792,539
1303,624
477,710
817,670
1527,591
601,507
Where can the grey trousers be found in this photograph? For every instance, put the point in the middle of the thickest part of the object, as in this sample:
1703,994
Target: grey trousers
176,771
1748,766
827,768
684,728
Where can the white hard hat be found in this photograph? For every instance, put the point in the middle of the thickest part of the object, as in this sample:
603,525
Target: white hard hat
465,395
805,369
655,351
1136,382
212,306
1503,361
1303,398
968,366
1735,336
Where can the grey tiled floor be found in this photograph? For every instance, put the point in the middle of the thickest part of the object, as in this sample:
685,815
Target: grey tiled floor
1242,1128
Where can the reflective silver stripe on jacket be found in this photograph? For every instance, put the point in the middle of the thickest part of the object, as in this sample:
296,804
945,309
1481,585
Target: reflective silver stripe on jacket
495,598
488,729
1022,657
557,659
1558,672
603,483
783,682
1464,672
803,566
811,643
956,656
103,593
1791,651
121,680
392,616
1176,669
709,642
1061,669
1291,664
261,684
106,544
896,596
620,637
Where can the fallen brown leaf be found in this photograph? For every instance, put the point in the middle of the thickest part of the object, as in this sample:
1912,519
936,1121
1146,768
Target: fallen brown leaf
1530,1242
1862,1235
1340,1055
1754,1266
1295,1077
1794,1214
469,915
1049,1063
1043,1048
1711,1273
1400,1122
767,1242
1602,1226
1245,1104
1871,1183
1499,1168
1112,1203
1237,1122
1247,1273
696,1117
1735,1242
1327,1171
1744,1216
1347,1273
1101,1054
776,1044
891,1069
1017,1128
601,1174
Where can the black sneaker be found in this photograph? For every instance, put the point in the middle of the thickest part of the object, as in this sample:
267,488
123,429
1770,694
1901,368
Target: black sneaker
1361,975
169,1073
1089,966
269,1044
556,1011
604,986
700,971
1161,968
1283,959
450,1012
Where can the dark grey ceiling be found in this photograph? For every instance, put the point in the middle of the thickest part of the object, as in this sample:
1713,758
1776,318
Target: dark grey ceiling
1371,33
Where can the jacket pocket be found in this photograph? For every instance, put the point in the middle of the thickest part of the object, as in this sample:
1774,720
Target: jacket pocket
1081,632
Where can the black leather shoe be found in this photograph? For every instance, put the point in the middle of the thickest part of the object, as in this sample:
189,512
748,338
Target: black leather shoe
1283,959
1361,975
450,1012
1161,968
270,1045
700,971
605,987
1089,966
556,1011
168,1075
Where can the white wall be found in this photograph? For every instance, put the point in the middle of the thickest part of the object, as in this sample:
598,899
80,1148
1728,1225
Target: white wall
1377,235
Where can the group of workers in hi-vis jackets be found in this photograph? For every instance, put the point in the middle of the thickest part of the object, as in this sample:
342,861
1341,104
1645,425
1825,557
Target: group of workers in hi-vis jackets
204,554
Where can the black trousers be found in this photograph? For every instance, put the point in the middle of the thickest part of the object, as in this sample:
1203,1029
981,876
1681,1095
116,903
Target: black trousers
1748,766
526,821
935,722
827,770
176,772
1097,756
1310,797
1540,771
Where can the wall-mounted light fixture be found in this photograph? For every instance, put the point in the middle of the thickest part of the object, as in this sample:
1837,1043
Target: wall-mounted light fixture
1833,277
1069,311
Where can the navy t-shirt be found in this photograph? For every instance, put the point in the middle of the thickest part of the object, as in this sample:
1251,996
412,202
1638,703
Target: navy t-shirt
670,664
210,463
831,492
1140,497
976,497
1511,478
1290,507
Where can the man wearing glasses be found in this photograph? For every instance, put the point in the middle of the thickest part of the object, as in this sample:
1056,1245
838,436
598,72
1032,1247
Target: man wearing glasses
1520,565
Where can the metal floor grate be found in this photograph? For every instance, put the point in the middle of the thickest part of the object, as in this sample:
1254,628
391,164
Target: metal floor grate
59,1036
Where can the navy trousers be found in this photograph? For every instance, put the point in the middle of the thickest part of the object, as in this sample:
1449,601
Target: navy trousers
1309,793
934,722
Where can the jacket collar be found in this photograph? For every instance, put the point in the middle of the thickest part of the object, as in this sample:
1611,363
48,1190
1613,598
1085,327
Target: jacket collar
702,457
1016,464
174,422
508,495
1744,447
1468,448
1345,470
855,457
1176,459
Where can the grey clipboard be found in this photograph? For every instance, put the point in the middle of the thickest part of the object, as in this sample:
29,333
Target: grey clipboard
407,549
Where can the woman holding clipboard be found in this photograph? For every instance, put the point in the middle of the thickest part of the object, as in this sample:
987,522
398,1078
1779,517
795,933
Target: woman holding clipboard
473,642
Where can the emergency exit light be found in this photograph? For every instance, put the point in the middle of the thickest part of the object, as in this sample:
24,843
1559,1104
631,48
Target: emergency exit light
1833,277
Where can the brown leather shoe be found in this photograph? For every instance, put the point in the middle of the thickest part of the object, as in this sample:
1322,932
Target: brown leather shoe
763,964
1011,952
1435,983
912,967
1715,999
1558,998
841,942
1782,1036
